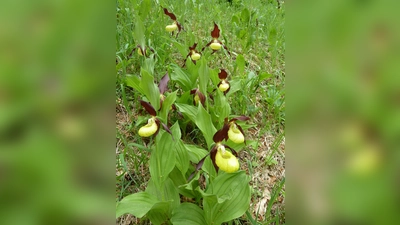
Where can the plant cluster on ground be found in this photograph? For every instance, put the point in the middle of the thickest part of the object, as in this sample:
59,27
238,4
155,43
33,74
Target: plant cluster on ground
200,112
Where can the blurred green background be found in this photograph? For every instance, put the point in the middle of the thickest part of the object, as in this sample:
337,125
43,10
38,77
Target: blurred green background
57,126
343,112
57,117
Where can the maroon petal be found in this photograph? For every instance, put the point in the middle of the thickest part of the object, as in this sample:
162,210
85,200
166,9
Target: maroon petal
209,43
232,150
241,118
163,85
241,130
149,108
158,127
170,14
223,74
215,32
198,167
221,134
193,47
212,156
202,98
166,128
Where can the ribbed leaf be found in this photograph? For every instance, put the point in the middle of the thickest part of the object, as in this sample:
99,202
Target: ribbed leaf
188,110
228,197
204,76
179,76
137,204
188,214
204,123
166,106
134,82
169,200
162,159
195,153
150,89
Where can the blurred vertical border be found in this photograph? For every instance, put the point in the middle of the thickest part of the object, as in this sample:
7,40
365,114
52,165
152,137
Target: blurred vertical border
343,112
57,117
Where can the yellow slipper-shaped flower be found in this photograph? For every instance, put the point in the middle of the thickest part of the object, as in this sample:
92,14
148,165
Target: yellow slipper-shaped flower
235,135
149,129
171,27
195,56
215,46
226,161
223,86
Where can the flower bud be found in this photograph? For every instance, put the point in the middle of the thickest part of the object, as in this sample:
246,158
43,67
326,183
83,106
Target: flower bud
226,161
149,129
223,86
195,56
235,135
215,46
171,28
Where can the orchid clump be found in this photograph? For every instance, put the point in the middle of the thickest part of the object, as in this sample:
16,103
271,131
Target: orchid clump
175,25
215,44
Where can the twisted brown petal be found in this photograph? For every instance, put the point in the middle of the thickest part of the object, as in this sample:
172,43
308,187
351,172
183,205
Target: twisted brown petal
215,32
170,14
149,108
163,85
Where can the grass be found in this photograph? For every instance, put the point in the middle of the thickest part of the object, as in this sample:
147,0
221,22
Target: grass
254,33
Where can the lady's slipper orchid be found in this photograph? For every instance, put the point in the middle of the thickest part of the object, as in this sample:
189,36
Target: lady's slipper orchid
153,124
215,44
149,129
198,97
194,55
221,158
175,25
235,132
223,85
225,160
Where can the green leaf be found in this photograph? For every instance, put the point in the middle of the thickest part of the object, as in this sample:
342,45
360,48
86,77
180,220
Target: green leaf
214,76
204,76
188,214
236,85
166,106
145,7
264,75
240,63
182,158
162,159
159,213
137,204
179,76
195,153
188,110
134,82
222,107
169,199
150,89
138,34
228,197
245,15
204,123
208,167
149,64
